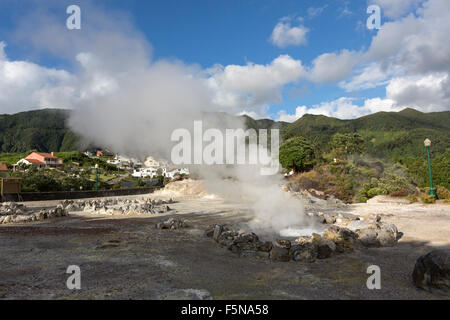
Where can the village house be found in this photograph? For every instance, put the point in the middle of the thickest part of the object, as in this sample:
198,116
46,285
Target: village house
41,160
3,170
104,153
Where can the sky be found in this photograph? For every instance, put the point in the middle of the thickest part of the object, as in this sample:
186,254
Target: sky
277,59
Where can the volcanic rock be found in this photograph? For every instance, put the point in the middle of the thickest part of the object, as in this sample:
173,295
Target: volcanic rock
343,238
325,247
279,254
304,250
432,272
172,223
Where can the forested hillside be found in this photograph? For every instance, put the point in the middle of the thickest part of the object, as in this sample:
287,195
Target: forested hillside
386,134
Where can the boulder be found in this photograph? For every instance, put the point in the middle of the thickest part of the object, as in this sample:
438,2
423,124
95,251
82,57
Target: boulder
343,238
329,219
324,246
217,231
304,251
368,237
279,254
432,272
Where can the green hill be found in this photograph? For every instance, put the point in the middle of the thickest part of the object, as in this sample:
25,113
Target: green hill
386,134
42,130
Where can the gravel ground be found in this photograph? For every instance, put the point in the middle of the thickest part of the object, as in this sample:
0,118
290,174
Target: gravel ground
125,257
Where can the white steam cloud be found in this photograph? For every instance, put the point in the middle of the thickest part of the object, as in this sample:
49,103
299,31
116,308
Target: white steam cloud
123,100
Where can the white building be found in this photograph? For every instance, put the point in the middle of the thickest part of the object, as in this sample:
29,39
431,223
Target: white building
180,171
145,172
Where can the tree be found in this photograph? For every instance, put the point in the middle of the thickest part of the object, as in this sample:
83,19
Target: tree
344,144
296,154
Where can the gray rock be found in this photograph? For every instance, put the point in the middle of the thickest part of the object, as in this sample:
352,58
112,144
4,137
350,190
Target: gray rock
305,251
368,237
432,272
217,231
279,254
324,246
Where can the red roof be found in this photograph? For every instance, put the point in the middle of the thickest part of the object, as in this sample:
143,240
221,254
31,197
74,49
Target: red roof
47,155
35,161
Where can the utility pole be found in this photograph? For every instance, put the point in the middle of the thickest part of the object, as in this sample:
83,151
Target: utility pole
96,177
427,144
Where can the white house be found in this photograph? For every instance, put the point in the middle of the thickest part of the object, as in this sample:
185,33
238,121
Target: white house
145,172
172,173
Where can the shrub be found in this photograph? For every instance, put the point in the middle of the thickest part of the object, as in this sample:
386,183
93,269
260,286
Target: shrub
442,192
427,198
399,193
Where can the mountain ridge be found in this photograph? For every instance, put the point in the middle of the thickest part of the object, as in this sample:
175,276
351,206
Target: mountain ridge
386,134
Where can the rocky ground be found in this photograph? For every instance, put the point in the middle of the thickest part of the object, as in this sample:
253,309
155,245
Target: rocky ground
166,255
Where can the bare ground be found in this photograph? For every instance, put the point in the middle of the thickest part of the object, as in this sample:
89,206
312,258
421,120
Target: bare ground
127,258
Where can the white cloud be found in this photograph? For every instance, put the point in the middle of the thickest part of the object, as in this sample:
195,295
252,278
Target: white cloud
417,45
396,8
342,108
286,117
284,35
25,85
428,93
253,86
314,12
371,76
411,56
331,67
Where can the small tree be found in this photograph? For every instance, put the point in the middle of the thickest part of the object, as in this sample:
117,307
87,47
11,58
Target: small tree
296,154
343,144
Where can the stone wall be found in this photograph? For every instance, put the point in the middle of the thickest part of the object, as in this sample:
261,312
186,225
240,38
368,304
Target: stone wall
61,195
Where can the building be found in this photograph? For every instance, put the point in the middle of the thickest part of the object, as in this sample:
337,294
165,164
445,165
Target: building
148,172
3,170
171,174
104,153
41,160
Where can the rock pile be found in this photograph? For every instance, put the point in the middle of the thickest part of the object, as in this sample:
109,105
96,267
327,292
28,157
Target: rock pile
335,240
119,207
11,212
172,223
332,218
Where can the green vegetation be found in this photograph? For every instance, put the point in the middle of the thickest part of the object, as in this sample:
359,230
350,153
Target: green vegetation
42,130
296,154
345,144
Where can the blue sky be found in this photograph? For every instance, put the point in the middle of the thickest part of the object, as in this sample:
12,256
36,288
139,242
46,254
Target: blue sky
339,67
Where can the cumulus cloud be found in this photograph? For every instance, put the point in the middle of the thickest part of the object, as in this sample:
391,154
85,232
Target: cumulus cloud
253,86
25,85
370,76
396,8
331,67
284,34
417,45
428,93
342,108
411,56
